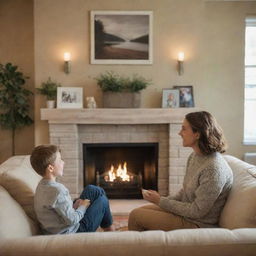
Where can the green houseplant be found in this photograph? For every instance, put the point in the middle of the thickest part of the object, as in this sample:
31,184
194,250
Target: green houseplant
49,89
14,100
121,91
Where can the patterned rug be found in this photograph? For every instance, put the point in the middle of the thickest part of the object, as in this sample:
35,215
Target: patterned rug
120,223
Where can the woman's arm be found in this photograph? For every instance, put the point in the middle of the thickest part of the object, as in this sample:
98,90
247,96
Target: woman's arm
211,183
177,196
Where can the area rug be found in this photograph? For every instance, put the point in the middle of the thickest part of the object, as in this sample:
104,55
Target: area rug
120,222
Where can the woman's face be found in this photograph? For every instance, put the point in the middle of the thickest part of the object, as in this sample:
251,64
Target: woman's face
190,138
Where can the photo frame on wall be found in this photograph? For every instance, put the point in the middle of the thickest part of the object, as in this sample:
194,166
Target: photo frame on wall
69,97
170,98
121,37
186,96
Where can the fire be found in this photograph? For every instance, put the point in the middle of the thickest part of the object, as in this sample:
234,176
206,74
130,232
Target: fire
120,172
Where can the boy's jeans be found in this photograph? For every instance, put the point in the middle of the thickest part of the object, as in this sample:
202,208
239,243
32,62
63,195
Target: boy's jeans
98,213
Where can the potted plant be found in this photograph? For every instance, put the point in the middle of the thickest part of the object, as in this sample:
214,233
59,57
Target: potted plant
120,91
14,100
49,89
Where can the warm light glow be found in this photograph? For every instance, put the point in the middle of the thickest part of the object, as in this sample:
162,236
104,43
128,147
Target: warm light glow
181,56
111,174
120,172
67,56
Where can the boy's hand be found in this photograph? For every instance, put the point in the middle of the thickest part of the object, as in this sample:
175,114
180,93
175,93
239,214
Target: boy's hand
76,204
84,202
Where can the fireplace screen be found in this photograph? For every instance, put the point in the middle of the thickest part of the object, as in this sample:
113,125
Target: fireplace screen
122,169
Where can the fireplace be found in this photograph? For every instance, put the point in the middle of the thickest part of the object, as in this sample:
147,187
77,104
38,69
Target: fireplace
121,169
70,129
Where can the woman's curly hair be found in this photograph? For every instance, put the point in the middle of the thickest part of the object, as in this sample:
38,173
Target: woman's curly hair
211,137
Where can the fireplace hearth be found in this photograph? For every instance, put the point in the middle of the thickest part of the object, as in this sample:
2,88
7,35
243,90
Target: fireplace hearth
121,169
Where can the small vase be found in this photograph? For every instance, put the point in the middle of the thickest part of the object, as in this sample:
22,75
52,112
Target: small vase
50,103
91,103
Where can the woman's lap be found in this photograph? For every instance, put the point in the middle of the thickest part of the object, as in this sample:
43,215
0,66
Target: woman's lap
152,217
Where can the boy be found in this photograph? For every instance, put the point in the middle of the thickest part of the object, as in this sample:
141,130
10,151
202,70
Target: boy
53,205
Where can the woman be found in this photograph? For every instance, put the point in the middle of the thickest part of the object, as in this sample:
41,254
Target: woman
206,184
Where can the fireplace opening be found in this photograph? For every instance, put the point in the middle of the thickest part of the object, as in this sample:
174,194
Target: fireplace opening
121,169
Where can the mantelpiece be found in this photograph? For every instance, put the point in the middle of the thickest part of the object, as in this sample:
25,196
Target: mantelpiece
115,116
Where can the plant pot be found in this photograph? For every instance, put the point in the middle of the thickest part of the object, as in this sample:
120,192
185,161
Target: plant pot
50,103
121,99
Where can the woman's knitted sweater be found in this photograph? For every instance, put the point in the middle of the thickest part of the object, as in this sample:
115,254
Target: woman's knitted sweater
206,185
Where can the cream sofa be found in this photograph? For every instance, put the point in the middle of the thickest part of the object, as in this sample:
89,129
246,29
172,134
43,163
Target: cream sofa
19,231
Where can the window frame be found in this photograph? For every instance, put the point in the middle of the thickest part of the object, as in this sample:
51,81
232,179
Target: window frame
250,22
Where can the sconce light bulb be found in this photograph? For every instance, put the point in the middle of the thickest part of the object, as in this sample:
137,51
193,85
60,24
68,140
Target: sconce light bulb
181,56
180,63
67,56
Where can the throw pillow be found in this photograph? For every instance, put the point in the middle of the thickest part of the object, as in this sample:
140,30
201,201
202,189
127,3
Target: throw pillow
21,182
13,220
240,208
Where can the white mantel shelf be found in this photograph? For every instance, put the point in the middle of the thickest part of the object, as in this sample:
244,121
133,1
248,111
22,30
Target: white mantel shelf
115,116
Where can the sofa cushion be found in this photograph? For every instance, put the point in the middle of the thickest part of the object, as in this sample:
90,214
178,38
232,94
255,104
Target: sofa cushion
13,220
20,180
183,242
240,208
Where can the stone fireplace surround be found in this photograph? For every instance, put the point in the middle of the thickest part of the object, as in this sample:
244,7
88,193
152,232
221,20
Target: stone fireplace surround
71,128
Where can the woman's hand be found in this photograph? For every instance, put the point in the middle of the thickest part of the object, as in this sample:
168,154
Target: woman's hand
152,196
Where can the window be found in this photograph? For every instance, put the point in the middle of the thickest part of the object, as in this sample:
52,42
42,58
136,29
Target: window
250,82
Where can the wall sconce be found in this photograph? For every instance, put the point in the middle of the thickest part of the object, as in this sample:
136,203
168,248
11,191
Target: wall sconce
180,63
67,58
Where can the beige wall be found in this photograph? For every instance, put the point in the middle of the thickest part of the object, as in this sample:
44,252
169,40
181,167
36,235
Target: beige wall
210,33
16,46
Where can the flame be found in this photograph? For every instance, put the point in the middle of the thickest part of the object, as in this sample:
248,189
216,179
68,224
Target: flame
120,172
111,174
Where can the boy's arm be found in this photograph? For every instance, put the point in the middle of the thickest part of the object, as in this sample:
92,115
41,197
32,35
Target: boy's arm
64,208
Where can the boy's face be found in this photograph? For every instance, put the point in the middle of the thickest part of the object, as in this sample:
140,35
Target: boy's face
58,165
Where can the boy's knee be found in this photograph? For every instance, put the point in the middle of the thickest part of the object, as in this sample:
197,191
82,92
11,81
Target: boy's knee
90,187
97,191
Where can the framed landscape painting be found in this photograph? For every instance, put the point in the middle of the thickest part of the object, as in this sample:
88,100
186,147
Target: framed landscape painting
121,37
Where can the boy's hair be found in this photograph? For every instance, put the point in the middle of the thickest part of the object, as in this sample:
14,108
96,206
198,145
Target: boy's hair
42,156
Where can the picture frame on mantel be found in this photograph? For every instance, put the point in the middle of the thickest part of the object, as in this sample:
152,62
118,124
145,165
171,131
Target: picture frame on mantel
170,98
121,37
186,96
69,97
